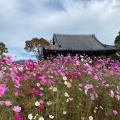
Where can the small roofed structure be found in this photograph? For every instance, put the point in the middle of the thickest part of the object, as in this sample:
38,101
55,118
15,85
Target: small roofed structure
78,44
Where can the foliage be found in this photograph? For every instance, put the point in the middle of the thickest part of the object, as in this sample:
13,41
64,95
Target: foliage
115,57
67,88
36,46
117,39
3,48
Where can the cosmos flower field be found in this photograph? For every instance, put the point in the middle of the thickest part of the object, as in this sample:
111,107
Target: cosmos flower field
67,88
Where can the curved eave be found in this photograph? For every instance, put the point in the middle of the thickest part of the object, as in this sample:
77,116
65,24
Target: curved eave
81,50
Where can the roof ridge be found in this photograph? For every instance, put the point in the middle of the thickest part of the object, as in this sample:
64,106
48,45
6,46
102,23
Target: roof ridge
75,34
104,45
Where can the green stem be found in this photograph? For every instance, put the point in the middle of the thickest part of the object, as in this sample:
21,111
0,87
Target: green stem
56,105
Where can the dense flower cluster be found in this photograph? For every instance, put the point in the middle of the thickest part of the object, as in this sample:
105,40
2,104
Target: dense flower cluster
60,88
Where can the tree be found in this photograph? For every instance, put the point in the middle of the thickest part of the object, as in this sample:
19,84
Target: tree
117,40
3,48
36,46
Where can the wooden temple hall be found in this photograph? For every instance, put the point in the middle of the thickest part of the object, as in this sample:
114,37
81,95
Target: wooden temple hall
78,44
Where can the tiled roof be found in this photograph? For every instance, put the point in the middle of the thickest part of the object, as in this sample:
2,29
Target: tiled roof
87,42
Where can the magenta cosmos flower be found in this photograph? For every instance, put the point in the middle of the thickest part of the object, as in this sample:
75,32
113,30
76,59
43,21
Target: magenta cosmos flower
36,91
17,116
16,109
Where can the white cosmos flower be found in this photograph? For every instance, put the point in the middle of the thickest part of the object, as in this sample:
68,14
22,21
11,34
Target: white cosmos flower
64,78
49,103
51,87
37,103
65,82
96,107
66,94
69,85
80,89
30,116
67,100
38,84
86,64
64,112
10,69
20,68
118,97
41,88
82,118
90,118
82,59
35,117
86,92
77,62
3,68
90,61
51,76
41,118
70,80
81,56
101,107
51,116
55,89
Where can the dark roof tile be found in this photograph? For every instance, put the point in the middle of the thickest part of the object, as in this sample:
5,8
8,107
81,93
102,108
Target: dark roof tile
87,42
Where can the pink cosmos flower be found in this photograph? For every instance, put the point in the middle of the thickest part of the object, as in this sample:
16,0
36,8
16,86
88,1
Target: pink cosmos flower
36,91
1,80
115,112
18,117
80,85
16,109
17,85
96,77
92,97
23,103
41,94
111,93
15,79
93,90
50,82
30,64
118,90
106,114
2,89
8,103
89,73
15,92
118,97
43,81
88,86
38,76
2,102
13,73
41,104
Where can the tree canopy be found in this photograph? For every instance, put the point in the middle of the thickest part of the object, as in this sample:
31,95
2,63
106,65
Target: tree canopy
3,48
36,46
117,39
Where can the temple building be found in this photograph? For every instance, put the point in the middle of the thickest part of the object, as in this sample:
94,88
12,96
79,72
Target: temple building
78,44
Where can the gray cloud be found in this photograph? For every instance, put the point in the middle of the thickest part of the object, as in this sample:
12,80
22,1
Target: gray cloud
23,20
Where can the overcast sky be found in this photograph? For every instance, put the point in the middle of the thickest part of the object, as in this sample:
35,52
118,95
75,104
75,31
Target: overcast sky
22,20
